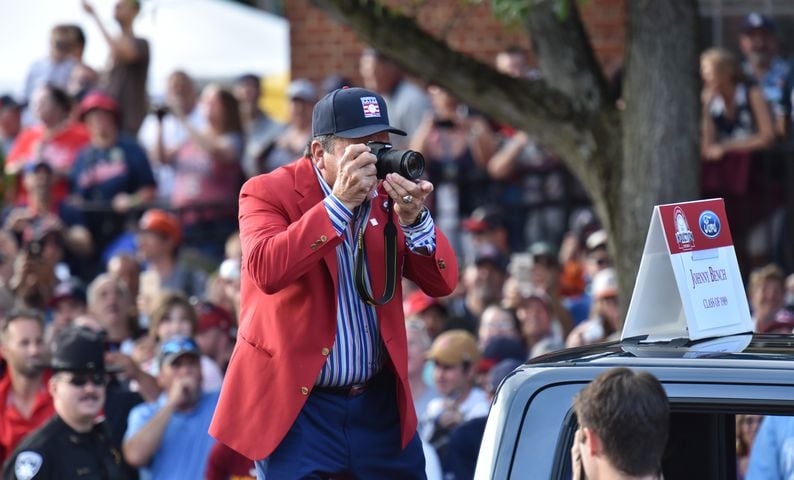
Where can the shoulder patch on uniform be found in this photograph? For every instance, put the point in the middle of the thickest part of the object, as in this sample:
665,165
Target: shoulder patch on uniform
27,465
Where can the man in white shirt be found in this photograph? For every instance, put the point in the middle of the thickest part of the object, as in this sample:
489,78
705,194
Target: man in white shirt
162,134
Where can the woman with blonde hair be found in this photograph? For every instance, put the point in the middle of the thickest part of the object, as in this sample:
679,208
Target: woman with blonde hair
736,127
735,116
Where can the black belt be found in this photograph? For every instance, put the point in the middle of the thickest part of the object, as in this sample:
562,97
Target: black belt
349,390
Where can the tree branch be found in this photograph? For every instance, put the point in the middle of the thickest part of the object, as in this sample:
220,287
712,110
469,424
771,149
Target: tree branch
569,109
565,54
533,106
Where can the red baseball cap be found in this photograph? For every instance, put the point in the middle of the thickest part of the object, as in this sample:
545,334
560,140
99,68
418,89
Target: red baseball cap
418,302
162,222
98,100
212,316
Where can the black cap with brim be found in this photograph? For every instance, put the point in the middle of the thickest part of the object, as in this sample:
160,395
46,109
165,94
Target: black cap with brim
7,101
351,113
78,349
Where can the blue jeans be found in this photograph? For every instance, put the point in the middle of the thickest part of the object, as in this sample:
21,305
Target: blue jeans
337,436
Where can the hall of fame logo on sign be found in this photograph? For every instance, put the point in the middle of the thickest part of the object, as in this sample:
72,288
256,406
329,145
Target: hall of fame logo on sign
683,235
709,224
371,107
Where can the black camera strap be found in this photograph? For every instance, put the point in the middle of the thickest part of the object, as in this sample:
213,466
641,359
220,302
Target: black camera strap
390,248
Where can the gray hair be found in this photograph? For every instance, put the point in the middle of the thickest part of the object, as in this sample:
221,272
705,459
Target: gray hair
326,141
100,280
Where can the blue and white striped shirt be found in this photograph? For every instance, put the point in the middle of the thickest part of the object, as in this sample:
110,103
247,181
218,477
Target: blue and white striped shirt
357,353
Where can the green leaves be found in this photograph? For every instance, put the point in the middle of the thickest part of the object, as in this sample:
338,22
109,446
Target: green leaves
516,11
510,11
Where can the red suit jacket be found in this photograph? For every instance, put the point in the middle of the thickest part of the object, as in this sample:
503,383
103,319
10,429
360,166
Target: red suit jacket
288,307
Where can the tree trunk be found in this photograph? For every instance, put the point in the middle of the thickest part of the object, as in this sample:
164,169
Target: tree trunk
661,161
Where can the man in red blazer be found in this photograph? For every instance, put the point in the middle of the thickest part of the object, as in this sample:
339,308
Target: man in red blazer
317,384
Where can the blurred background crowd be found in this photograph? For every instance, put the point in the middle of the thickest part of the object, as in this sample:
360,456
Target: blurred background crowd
119,214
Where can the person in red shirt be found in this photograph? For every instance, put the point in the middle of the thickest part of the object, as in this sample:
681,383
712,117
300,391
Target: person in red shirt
55,141
25,402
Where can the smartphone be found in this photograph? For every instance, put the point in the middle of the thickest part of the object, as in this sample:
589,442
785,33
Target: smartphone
34,249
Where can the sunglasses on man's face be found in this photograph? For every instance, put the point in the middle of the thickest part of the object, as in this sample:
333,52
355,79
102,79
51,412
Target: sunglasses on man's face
81,379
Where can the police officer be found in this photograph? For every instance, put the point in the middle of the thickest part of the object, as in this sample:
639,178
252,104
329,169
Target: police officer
74,443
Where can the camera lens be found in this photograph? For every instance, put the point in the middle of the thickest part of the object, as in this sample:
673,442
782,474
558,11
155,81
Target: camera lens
412,165
407,163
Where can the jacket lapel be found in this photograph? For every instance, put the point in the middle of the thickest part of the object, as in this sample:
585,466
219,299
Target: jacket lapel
307,186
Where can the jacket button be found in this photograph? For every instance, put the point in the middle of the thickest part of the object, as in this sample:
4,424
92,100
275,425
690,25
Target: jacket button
323,238
313,246
441,264
326,351
305,390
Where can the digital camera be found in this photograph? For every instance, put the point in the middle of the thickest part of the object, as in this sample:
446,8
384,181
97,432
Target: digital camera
408,163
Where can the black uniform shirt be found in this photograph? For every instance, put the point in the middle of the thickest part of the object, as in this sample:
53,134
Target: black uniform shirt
56,451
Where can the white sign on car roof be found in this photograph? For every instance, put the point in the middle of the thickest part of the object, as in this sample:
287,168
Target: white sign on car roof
689,284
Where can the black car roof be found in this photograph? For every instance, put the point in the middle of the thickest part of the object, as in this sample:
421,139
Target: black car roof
767,350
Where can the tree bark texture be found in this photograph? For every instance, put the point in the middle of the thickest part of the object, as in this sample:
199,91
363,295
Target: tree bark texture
661,160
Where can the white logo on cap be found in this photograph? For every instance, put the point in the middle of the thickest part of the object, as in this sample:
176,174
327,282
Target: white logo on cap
371,107
27,465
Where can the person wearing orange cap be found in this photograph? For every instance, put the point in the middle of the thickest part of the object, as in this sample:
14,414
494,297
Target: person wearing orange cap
111,175
159,237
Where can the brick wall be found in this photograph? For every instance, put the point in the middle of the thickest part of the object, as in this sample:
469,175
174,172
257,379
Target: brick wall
319,46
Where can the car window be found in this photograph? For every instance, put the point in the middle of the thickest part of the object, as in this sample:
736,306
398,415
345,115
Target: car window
703,444
703,429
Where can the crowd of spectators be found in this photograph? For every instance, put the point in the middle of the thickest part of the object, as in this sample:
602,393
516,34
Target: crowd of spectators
120,216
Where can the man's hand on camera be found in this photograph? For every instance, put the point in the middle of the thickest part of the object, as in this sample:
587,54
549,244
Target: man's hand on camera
401,189
356,177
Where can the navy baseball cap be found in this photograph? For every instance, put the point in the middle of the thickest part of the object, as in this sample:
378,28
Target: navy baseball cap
756,20
7,101
351,113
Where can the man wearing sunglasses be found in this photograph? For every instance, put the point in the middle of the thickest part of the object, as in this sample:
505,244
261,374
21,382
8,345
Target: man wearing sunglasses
75,443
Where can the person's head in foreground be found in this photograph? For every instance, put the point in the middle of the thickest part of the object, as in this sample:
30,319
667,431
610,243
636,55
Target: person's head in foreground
623,427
